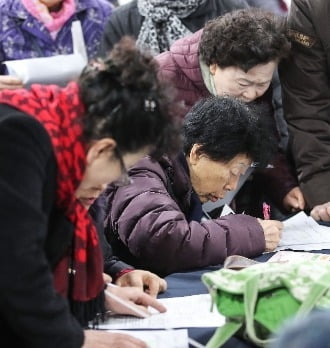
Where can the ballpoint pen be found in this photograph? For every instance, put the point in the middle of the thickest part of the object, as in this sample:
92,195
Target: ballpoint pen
266,210
124,303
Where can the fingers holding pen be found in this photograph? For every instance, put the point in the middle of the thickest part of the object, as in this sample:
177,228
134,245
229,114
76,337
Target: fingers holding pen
272,231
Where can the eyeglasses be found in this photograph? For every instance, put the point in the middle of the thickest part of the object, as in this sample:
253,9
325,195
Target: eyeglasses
124,178
257,165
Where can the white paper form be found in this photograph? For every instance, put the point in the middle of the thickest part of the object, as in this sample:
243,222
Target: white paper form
160,338
302,232
182,312
59,69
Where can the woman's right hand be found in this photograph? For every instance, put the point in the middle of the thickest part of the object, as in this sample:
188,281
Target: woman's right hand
104,339
272,231
10,82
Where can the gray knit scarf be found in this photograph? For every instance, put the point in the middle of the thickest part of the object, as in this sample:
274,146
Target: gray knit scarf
162,25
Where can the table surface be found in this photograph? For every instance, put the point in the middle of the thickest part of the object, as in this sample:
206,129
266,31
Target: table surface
189,283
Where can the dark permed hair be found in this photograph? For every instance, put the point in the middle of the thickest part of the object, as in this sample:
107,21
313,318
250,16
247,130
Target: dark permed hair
244,39
125,100
225,127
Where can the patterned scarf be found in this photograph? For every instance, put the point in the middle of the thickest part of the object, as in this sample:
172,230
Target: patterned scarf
59,110
162,25
53,21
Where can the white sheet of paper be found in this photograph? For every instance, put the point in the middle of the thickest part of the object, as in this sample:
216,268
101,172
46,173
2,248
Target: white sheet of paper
182,312
287,256
226,210
59,69
160,338
302,232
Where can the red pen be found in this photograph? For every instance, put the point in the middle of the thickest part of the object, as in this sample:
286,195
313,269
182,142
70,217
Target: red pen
266,211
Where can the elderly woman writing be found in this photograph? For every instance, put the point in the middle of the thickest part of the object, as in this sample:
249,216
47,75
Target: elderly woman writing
158,221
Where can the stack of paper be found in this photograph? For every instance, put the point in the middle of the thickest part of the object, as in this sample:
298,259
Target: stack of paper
302,232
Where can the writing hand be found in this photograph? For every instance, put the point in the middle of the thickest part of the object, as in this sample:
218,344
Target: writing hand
272,231
143,280
133,297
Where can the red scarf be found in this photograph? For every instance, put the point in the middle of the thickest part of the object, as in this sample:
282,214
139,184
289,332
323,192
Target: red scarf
60,111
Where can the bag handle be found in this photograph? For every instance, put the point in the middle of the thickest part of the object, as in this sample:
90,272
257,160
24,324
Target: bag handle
250,300
223,333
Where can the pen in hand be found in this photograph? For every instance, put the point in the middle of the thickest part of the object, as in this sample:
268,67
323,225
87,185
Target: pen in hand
138,312
266,211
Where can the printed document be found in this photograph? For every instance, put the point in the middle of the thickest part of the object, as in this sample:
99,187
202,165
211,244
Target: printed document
59,69
302,232
182,312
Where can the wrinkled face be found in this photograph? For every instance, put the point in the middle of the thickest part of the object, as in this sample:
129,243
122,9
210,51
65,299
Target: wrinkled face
211,180
247,86
103,169
52,4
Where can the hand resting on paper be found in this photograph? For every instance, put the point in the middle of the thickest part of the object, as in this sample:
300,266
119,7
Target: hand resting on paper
321,212
272,231
135,299
150,282
144,280
10,82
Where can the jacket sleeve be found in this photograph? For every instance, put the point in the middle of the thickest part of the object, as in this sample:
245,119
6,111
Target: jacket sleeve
155,230
306,97
29,304
112,265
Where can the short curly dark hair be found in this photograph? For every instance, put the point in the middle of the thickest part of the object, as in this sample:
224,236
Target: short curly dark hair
225,127
125,100
244,38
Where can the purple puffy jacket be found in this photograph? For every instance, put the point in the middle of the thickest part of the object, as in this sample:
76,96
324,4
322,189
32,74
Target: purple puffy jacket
149,226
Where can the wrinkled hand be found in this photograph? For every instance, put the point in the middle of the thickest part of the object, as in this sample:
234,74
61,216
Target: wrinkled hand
135,297
294,200
10,82
321,212
144,280
103,339
272,231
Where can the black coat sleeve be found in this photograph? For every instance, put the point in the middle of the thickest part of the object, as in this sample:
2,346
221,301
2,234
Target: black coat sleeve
112,264
30,308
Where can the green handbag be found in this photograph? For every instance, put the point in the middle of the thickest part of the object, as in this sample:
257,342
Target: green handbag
257,300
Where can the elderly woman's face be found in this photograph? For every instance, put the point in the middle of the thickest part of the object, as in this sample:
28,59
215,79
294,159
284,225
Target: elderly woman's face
247,86
52,4
211,180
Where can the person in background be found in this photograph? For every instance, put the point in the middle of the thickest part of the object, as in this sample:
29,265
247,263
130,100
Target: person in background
280,7
59,148
305,332
157,24
236,55
157,223
42,28
306,100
